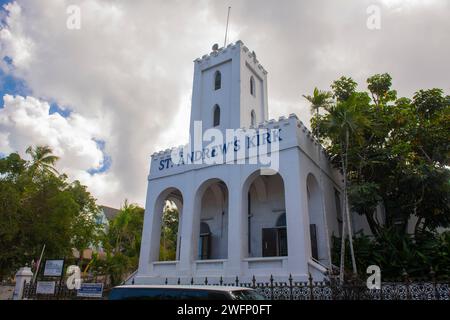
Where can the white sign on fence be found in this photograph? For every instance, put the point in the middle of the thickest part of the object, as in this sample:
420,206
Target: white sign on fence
45,287
53,268
91,290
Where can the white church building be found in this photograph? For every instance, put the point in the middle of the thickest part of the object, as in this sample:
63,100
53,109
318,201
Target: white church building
241,216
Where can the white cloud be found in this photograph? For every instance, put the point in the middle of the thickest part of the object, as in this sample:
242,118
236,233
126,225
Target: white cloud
26,120
15,44
129,69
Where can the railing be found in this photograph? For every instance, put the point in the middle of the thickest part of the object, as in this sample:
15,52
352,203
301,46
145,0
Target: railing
306,290
130,277
333,290
61,293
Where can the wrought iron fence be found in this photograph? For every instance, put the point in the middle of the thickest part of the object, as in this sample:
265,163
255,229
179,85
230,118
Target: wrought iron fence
62,292
334,290
294,290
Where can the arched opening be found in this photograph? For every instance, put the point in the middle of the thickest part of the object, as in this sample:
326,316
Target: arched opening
316,220
213,221
252,86
216,116
168,208
253,118
217,80
266,210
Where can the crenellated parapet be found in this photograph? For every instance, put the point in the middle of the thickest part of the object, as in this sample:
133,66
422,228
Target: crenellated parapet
224,51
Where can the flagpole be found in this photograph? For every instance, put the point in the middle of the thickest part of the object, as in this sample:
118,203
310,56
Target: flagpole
39,264
226,30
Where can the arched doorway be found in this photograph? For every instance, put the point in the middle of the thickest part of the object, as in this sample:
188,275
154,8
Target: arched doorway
168,208
266,210
213,221
316,220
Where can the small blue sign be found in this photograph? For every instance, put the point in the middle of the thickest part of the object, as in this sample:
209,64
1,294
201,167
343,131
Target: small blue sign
91,290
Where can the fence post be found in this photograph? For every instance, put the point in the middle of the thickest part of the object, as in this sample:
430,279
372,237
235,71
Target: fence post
291,297
23,277
406,279
433,280
271,287
310,280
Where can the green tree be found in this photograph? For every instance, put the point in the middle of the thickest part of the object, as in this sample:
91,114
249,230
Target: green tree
169,233
344,124
122,242
38,207
42,159
343,88
393,152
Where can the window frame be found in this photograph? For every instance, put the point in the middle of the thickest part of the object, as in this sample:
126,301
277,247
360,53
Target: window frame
217,80
252,86
253,118
216,108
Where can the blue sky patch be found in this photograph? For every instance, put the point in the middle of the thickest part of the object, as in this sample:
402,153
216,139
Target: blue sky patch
3,2
13,86
55,108
106,163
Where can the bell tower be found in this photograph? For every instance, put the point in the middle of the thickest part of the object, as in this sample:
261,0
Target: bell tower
229,89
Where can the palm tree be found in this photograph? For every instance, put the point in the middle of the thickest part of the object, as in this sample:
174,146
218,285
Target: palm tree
321,99
42,159
120,224
345,119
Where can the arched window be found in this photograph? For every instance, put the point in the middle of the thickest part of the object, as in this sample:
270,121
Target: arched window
253,118
217,80
252,86
216,118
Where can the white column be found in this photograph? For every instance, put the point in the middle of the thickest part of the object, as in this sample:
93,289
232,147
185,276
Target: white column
297,220
190,226
237,228
24,275
150,234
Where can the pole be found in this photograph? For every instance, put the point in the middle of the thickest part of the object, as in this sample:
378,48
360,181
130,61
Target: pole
342,262
347,211
226,30
327,236
39,264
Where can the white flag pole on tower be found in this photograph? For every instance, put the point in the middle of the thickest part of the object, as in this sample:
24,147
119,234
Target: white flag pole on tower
226,29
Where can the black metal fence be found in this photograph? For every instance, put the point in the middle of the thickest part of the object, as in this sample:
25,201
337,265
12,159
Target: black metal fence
334,290
62,292
293,290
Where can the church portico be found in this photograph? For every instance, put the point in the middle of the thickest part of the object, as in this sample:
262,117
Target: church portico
243,217
234,221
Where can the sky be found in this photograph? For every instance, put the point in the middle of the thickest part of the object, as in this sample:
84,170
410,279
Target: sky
107,95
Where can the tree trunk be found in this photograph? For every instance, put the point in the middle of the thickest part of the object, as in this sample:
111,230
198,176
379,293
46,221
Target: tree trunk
347,211
374,228
416,228
324,214
342,261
